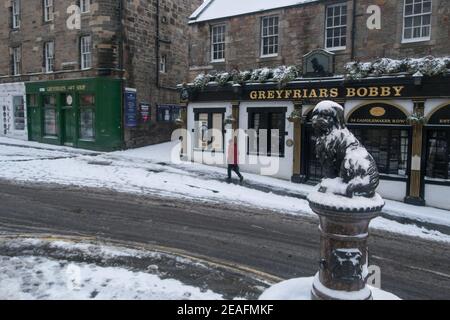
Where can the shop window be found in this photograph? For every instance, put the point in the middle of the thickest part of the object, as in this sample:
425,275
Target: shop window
438,158
268,135
218,43
336,27
167,113
389,148
19,113
269,36
50,124
209,130
87,117
417,20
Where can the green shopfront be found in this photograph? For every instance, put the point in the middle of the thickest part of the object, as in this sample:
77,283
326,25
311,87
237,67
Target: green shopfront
83,113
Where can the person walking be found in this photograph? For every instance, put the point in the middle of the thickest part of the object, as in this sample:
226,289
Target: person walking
233,159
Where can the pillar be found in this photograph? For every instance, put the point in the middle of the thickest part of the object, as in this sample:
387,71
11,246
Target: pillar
297,176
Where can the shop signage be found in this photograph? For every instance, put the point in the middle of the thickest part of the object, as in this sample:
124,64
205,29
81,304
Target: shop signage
130,111
378,113
144,109
318,63
441,117
328,93
80,87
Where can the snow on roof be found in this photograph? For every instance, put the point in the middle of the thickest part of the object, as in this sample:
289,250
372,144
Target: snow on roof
217,9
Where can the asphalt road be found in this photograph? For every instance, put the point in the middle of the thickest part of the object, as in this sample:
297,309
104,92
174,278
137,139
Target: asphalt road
280,245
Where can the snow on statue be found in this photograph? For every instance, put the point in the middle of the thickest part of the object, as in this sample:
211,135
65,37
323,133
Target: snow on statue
349,169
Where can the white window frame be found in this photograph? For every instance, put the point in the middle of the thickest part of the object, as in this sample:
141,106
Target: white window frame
418,39
85,6
48,10
273,35
16,14
86,52
49,56
214,43
333,48
163,64
17,61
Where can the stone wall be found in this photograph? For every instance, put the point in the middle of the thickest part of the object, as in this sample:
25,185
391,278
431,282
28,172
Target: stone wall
302,29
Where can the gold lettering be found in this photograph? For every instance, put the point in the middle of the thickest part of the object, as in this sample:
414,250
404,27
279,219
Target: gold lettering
362,92
334,92
398,91
313,94
262,95
323,93
270,94
254,95
287,94
385,91
305,93
351,92
373,92
279,94
297,94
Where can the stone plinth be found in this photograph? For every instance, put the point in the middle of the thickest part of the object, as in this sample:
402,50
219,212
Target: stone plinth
344,230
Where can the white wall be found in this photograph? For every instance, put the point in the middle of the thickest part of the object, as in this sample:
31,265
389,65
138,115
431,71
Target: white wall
392,190
437,196
7,92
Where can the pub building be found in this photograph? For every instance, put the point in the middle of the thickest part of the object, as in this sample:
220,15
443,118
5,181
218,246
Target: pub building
403,121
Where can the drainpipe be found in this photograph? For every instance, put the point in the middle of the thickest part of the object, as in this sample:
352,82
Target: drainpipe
121,68
352,54
157,42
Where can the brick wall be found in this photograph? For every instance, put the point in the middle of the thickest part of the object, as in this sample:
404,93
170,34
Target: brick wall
302,29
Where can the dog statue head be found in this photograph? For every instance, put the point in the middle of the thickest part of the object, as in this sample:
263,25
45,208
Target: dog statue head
327,116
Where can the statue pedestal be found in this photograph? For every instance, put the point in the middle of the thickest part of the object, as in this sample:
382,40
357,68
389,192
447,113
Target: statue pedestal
344,229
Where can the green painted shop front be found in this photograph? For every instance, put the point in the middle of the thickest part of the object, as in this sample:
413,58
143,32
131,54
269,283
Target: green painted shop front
83,113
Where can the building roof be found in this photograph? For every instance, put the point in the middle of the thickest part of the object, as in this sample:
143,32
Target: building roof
218,9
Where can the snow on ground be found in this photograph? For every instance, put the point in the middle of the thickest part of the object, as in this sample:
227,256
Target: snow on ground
149,170
40,278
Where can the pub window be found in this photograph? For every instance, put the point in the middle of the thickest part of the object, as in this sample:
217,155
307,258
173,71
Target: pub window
167,113
49,56
336,27
87,117
267,132
16,14
50,126
417,20
48,10
86,55
209,130
269,36
19,113
438,162
16,61
218,43
389,148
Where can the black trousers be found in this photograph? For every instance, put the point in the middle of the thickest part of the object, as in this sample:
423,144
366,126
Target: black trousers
235,168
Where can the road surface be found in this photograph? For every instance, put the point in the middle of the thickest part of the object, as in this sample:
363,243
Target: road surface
280,245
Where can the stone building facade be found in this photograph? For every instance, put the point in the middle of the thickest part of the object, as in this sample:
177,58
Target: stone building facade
128,40
302,28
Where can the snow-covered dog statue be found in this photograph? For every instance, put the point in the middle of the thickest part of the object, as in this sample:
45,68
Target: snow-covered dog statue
349,169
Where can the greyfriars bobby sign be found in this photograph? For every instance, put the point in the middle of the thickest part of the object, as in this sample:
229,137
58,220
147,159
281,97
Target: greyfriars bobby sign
318,63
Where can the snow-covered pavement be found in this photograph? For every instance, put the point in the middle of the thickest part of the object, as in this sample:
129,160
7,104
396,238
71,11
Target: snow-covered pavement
149,170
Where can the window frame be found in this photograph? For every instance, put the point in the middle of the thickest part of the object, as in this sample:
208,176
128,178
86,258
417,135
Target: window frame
16,12
277,36
17,61
163,64
49,61
85,54
213,44
14,112
49,8
334,48
419,39
429,131
86,5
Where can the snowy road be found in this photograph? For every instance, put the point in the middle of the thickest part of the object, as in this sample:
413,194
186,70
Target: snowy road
285,246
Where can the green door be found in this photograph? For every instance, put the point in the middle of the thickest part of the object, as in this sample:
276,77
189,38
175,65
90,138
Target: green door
68,118
34,120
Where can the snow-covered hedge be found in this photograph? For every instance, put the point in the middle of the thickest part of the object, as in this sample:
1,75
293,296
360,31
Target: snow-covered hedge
281,75
428,66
